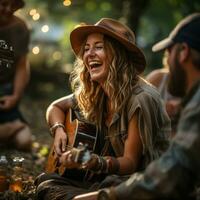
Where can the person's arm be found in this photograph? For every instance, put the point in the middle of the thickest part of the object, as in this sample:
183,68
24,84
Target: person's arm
21,79
55,114
132,149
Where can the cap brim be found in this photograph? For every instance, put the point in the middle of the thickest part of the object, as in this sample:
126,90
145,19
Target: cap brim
163,44
79,34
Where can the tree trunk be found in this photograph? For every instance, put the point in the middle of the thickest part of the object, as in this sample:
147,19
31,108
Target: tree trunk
134,10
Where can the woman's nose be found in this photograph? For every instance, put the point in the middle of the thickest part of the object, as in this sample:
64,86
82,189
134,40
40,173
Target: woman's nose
91,52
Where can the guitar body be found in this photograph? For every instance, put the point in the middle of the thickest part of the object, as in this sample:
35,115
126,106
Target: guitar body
77,132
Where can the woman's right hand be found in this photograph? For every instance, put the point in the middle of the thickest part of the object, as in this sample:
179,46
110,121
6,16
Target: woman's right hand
60,141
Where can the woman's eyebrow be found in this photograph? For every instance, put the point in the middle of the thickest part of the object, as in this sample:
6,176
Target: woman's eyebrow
97,42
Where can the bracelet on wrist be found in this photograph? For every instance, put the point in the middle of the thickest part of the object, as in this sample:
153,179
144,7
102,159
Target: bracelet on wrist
54,127
100,166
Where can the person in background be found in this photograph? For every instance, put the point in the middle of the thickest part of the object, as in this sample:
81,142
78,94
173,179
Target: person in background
175,175
159,78
108,92
13,80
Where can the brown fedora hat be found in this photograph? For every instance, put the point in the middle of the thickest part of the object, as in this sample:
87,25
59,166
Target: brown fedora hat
114,29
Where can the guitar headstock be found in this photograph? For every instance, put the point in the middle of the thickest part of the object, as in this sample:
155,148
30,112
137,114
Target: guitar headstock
6,55
81,154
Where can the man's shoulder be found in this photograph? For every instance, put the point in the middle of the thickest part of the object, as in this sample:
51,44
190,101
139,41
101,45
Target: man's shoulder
194,100
191,111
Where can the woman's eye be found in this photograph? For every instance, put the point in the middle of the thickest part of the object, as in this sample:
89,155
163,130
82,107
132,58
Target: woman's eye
99,47
86,49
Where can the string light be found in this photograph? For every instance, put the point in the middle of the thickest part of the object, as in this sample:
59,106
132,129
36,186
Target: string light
36,16
45,28
67,2
32,12
36,50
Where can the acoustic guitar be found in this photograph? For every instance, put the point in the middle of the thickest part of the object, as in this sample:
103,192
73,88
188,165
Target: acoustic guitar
82,138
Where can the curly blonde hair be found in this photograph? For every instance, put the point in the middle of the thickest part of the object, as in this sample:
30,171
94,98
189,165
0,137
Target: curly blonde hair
122,77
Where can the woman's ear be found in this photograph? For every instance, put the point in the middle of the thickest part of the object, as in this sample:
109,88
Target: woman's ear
184,52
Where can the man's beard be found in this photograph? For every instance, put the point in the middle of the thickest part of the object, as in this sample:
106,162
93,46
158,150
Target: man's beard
177,79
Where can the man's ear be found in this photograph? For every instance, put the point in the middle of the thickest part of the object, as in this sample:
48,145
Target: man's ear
184,52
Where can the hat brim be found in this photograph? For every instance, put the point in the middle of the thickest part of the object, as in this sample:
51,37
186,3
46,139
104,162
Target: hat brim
163,44
78,36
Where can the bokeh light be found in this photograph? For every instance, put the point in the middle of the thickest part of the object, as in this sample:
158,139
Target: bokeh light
57,55
33,12
36,16
45,28
67,3
36,50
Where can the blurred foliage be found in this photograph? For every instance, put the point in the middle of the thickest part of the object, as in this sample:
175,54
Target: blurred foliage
151,20
158,20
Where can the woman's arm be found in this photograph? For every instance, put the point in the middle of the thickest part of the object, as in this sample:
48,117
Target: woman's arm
56,115
132,150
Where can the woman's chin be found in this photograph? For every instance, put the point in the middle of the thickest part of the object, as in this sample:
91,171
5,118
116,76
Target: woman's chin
97,79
